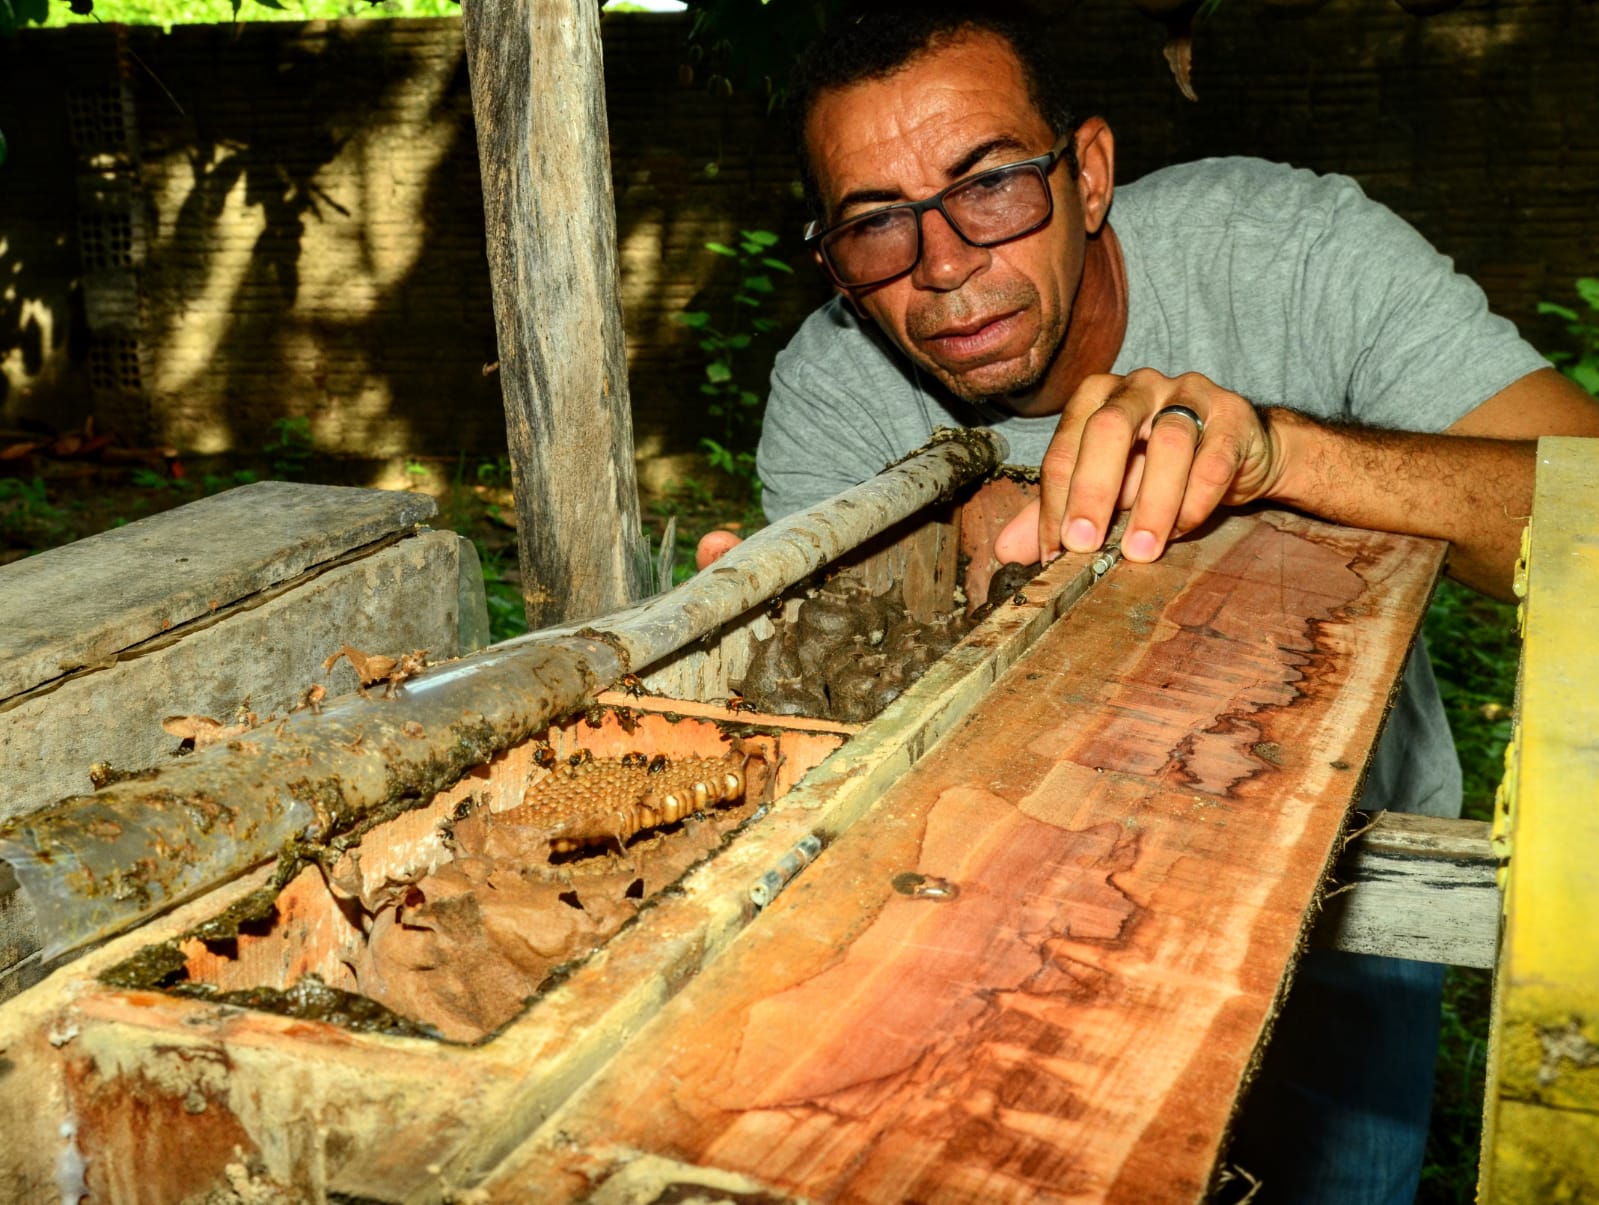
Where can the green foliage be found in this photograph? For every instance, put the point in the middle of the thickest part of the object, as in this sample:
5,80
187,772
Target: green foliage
14,13
1474,649
1449,1175
1581,365
28,519
728,399
748,46
290,450
507,614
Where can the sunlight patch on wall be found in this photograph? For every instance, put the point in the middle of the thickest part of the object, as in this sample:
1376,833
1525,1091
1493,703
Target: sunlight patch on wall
199,321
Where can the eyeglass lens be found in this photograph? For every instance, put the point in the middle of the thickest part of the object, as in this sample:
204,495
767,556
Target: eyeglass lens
989,208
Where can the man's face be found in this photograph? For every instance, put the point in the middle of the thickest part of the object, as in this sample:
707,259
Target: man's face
986,321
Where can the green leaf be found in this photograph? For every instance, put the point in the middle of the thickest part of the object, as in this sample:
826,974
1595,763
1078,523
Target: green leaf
761,238
758,284
1586,374
692,318
1559,311
721,249
718,371
745,299
738,342
763,325
1588,290
748,398
776,265
710,390
750,248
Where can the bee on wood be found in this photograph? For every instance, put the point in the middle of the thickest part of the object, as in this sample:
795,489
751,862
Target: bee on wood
735,703
544,757
634,759
627,721
658,763
632,684
581,757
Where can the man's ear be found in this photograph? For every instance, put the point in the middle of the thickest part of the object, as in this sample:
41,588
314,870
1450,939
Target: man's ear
1096,171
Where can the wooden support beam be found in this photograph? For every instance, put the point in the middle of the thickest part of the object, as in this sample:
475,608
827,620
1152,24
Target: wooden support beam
538,100
1042,965
1541,1121
1415,887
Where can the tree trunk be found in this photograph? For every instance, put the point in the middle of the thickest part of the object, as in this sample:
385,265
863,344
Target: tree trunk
538,99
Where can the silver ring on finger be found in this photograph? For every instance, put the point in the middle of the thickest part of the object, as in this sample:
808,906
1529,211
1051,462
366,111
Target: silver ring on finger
1184,412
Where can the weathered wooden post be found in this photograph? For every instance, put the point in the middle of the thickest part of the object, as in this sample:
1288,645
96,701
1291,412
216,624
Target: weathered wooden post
538,97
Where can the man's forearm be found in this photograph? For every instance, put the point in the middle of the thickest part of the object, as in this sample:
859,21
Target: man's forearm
1475,493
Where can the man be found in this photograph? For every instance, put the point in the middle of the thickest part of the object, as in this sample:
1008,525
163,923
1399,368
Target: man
1227,332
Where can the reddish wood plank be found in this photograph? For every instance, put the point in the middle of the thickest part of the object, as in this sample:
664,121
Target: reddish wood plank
1117,852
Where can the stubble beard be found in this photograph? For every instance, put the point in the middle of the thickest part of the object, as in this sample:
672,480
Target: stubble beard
1020,377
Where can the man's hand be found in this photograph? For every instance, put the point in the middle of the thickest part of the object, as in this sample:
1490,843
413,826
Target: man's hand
1114,448
712,546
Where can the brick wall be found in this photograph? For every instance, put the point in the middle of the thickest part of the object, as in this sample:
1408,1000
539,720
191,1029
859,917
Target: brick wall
285,219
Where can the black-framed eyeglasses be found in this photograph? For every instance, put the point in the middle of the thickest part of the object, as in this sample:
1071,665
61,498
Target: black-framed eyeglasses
989,207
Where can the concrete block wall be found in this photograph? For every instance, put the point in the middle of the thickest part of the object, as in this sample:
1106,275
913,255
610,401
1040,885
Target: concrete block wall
296,230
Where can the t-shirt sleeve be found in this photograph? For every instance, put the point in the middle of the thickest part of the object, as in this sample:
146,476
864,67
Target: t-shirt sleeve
817,437
1425,348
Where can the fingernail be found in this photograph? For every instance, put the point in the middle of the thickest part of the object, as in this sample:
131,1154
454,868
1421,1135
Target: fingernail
1082,536
1139,546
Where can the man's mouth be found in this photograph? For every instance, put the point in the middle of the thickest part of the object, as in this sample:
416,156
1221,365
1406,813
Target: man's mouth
974,338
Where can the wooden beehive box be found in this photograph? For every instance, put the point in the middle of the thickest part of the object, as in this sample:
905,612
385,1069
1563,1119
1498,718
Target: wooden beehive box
142,1067
1053,796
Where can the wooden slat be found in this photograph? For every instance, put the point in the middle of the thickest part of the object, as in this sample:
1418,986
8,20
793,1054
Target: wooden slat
1040,969
1541,1131
538,104
1415,887
124,586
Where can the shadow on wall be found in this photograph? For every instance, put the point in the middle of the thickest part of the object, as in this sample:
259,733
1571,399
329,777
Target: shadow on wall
1477,124
306,257
312,230
40,314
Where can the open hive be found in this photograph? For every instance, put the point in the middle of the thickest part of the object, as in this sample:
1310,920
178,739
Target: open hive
449,918
327,1024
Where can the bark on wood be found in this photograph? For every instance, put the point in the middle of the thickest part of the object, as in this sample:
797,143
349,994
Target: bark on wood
539,104
1042,966
140,847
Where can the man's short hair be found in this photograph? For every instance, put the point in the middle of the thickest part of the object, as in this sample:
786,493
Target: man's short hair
873,39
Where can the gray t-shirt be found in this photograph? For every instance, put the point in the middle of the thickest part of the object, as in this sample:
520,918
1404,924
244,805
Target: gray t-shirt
1289,288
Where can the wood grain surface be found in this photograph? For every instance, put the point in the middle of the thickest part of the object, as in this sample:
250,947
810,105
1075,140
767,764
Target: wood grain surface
538,101
1041,968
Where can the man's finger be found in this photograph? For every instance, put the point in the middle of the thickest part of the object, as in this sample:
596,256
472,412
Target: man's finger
1102,459
1060,460
713,546
1169,456
1017,542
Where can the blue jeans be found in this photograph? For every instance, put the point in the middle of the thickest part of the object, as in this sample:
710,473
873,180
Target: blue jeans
1338,1114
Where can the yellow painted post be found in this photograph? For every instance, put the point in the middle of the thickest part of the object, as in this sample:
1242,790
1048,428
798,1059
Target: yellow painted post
1541,1123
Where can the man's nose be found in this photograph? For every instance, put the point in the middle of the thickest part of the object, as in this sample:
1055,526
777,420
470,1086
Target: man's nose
948,261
